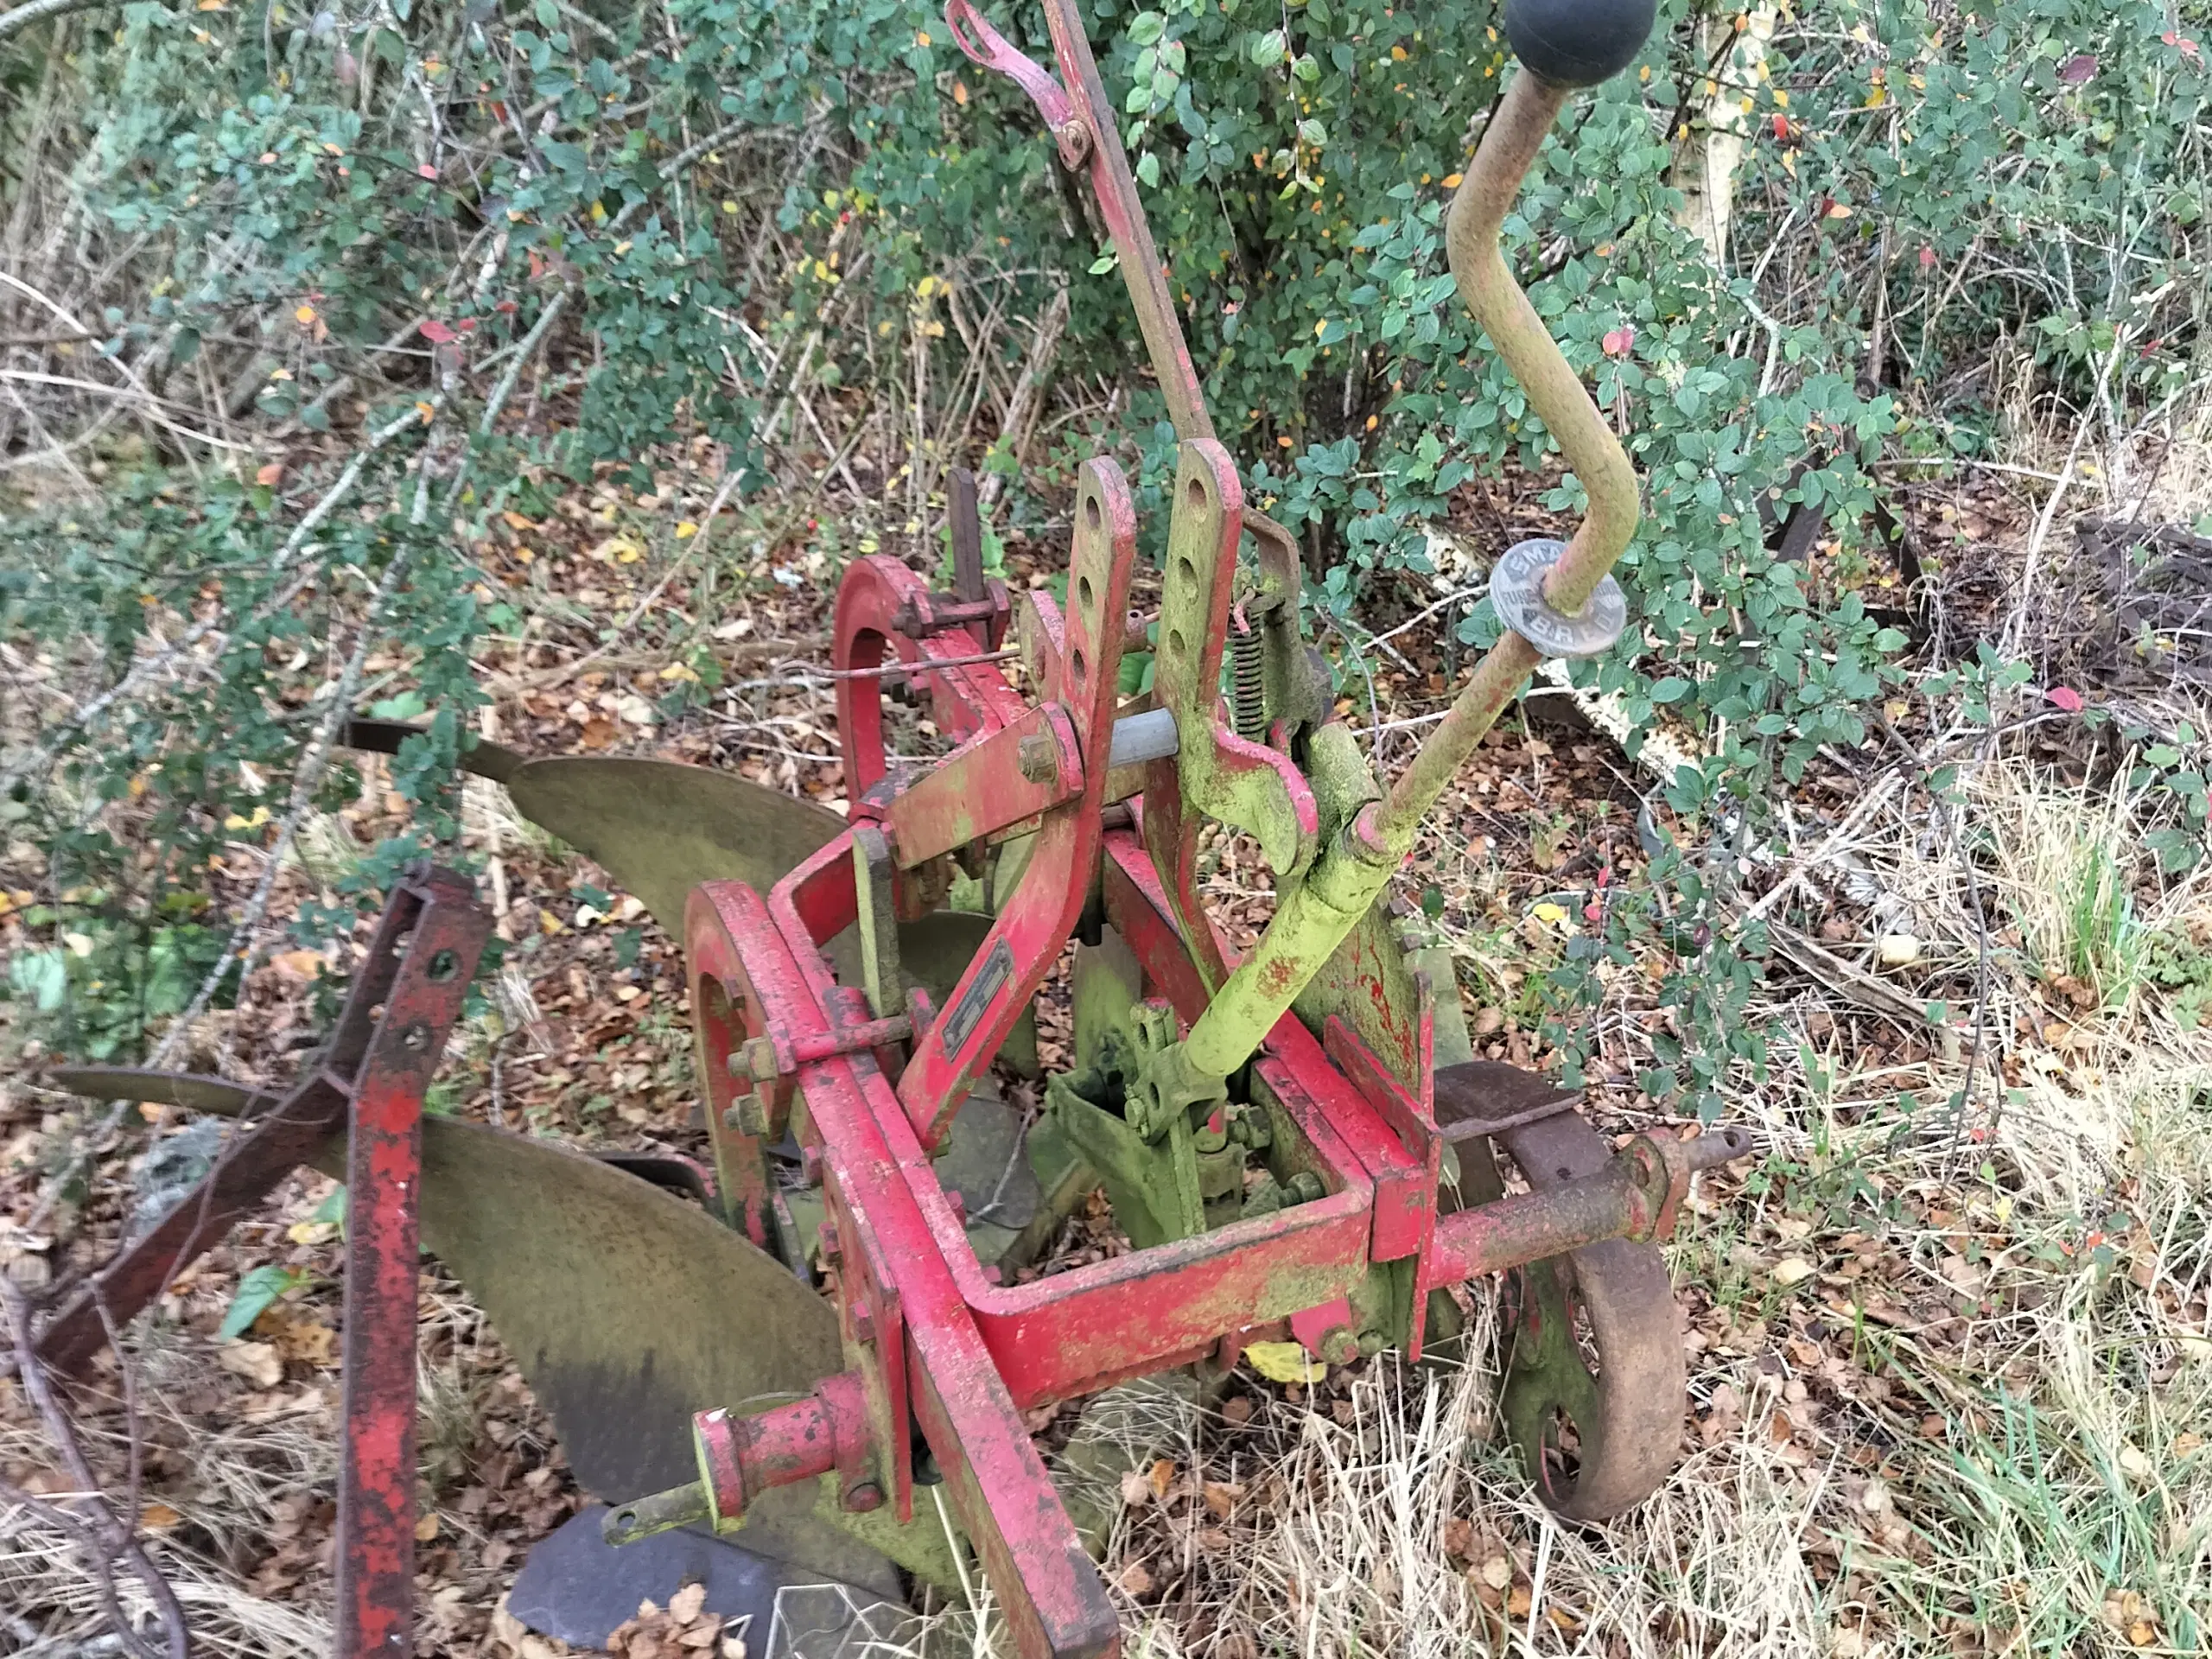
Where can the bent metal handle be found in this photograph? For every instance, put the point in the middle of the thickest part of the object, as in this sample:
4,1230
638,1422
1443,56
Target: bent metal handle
1564,597
1562,44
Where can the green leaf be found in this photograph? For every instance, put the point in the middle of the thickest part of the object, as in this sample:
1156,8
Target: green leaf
1270,48
1148,167
257,1292
39,977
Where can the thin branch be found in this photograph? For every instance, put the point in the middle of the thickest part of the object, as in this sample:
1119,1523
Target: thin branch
39,11
107,1537
146,668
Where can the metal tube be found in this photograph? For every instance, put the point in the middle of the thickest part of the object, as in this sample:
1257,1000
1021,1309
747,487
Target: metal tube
1139,738
1555,392
1533,1226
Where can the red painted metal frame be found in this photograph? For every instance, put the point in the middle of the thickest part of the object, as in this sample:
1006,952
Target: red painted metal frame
965,701
383,1168
983,783
1077,662
941,1349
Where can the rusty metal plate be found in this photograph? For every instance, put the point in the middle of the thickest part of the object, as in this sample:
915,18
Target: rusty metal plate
486,758
627,1310
1628,1415
214,1096
659,828
1488,1096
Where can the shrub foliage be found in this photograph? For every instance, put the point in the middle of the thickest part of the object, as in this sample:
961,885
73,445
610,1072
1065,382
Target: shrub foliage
355,231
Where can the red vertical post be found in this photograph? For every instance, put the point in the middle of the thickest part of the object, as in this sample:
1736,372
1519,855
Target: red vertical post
383,1169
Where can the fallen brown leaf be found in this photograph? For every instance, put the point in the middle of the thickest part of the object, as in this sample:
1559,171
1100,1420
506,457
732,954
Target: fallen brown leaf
257,1362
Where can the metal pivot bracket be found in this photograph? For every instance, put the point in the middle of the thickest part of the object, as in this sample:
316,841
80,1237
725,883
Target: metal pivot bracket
370,1079
1516,590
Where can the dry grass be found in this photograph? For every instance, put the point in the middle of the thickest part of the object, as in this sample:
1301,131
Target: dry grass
1976,1425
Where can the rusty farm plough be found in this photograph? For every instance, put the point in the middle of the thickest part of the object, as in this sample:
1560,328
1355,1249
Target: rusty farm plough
1299,1141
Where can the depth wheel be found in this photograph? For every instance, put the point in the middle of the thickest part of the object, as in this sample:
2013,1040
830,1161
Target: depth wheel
1595,1384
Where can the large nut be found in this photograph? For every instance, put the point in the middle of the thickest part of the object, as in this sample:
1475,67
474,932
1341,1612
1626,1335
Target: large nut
747,1115
1040,758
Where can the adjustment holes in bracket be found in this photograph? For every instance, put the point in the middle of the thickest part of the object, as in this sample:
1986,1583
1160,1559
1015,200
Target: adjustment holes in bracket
1175,642
1187,580
443,967
1078,670
1093,517
1195,492
1086,597
1564,1173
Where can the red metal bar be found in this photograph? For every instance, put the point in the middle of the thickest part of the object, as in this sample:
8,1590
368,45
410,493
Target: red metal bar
991,782
964,699
1526,1227
1078,666
933,1356
383,1167
744,1455
1129,1315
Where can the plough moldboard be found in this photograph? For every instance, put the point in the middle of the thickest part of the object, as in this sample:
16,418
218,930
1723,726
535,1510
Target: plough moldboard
1298,1142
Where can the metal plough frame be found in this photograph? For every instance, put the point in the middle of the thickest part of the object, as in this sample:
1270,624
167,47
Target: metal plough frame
1324,1034
1327,1054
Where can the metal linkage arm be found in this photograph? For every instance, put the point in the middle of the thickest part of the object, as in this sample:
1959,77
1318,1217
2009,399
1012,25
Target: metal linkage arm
1563,601
1572,583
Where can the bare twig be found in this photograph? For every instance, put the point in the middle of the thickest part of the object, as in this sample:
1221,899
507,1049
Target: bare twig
39,11
146,668
104,1537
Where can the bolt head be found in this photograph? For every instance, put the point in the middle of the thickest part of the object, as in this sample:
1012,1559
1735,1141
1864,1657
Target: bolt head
747,1115
861,1497
1040,758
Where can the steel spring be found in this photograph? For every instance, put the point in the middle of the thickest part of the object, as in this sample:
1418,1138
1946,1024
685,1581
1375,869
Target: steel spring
1247,683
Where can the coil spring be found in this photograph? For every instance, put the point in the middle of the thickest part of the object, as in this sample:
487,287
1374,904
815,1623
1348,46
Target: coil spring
1248,701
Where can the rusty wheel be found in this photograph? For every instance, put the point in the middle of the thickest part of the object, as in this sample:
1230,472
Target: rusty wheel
1594,1383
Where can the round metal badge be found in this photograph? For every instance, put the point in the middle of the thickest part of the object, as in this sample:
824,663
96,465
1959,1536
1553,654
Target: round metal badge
1516,591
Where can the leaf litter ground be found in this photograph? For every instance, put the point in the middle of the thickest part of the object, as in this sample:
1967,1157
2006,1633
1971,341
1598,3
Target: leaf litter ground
1950,1376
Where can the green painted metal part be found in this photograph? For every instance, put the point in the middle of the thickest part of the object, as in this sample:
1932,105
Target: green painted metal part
1155,1191
1252,799
1315,916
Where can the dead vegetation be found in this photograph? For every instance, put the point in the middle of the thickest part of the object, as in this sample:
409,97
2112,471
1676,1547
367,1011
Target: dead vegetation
1951,1339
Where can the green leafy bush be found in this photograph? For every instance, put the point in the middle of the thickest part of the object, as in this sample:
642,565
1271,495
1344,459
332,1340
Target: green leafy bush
318,222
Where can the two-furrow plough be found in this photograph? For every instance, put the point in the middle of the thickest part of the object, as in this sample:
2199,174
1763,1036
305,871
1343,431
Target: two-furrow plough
1298,1141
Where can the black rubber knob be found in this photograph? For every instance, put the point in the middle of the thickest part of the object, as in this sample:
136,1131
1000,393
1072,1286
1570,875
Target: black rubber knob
1578,43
